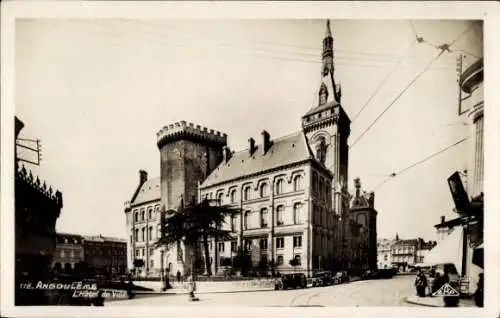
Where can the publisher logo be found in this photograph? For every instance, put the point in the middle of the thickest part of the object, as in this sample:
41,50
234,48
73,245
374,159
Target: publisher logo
446,290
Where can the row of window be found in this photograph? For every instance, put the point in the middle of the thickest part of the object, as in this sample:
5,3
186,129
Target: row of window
263,243
70,253
146,232
140,252
321,188
142,216
264,217
298,185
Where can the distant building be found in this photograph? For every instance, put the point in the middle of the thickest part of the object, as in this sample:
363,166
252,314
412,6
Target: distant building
384,253
68,253
105,255
406,253
143,225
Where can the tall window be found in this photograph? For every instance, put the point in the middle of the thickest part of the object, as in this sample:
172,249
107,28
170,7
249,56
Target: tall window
297,241
279,186
297,183
479,157
233,196
280,242
246,194
158,231
280,260
279,215
263,244
136,235
150,214
321,189
143,234
263,217
246,220
315,184
233,223
263,190
297,207
142,215
221,246
219,198
150,233
136,216
234,246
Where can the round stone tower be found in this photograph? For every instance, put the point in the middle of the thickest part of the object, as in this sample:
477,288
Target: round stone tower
188,154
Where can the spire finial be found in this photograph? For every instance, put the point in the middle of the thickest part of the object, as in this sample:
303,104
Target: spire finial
328,32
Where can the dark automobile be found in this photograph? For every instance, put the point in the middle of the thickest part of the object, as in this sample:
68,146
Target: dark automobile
379,274
341,277
324,278
290,281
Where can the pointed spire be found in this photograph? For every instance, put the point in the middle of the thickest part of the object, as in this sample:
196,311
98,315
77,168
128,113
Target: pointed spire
328,32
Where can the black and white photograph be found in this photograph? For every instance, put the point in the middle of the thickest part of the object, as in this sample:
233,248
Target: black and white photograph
256,162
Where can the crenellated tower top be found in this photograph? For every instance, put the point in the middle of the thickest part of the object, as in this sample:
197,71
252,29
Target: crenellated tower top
183,130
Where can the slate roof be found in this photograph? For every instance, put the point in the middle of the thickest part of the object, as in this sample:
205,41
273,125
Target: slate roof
149,191
285,150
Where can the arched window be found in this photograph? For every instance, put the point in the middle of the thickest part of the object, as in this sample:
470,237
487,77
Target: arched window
136,235
279,215
297,207
136,216
246,220
143,234
233,196
263,217
219,198
150,214
142,215
263,190
150,233
279,186
246,194
297,183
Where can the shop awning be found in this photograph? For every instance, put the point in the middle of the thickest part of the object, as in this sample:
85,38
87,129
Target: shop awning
448,251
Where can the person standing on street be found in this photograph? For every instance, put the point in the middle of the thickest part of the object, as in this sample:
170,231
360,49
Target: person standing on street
421,283
178,276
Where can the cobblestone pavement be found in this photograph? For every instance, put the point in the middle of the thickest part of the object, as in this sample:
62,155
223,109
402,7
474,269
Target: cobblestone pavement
386,292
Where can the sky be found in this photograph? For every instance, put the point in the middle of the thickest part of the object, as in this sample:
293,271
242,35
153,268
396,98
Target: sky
97,91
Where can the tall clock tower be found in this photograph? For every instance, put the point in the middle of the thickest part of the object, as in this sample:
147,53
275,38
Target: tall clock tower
327,126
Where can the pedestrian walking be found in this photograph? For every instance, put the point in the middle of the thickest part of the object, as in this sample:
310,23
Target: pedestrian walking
421,283
178,276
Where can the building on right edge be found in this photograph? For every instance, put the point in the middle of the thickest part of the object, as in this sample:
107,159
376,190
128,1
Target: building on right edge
465,232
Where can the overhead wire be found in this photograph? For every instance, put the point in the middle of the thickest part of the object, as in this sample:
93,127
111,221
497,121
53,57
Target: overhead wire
388,75
443,48
395,99
398,173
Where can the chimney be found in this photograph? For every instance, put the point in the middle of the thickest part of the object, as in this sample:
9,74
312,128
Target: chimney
442,219
226,153
143,176
266,143
251,149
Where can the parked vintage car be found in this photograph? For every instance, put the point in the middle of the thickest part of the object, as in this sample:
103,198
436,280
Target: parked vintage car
324,278
341,277
290,281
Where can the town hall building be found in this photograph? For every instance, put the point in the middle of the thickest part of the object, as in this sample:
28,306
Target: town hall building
291,190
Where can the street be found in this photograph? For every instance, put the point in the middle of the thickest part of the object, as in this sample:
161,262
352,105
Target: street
384,292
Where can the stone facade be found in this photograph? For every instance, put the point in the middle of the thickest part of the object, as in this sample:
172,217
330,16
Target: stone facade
105,255
68,253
